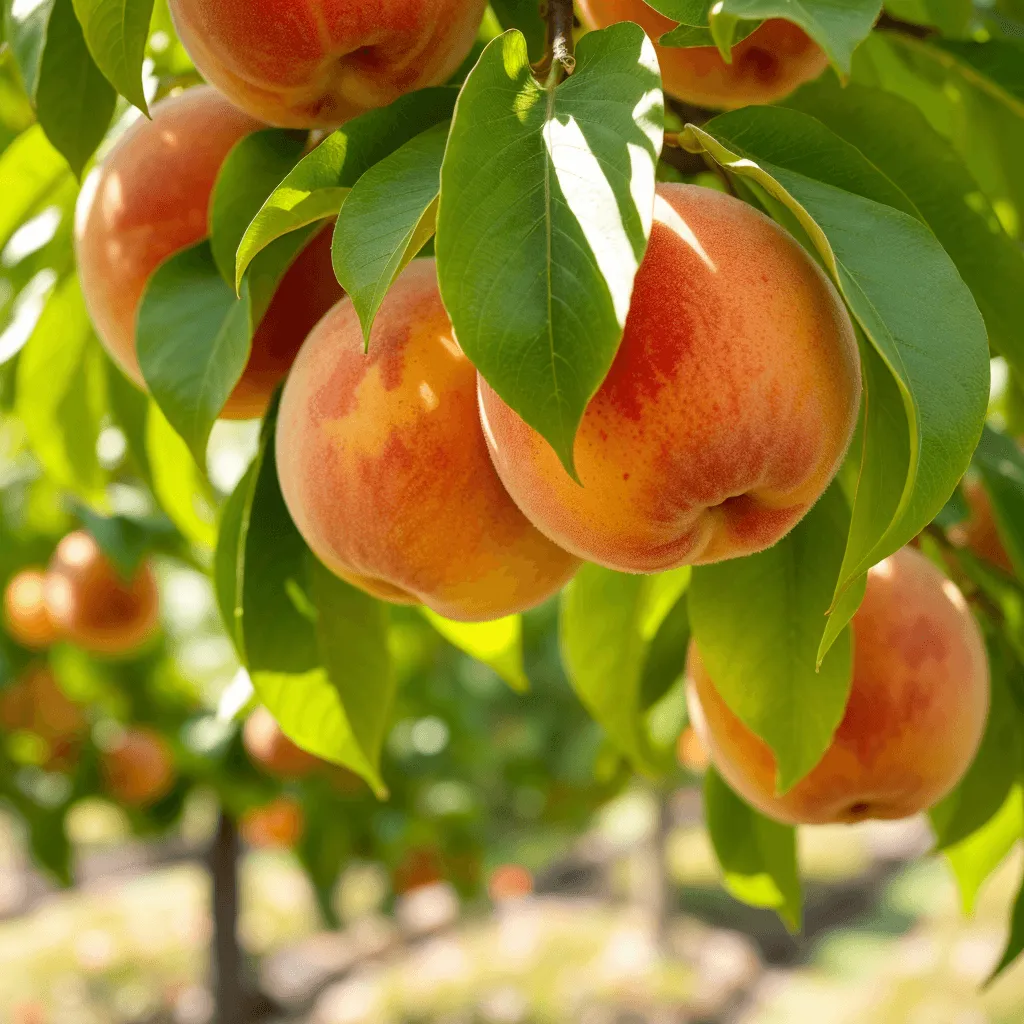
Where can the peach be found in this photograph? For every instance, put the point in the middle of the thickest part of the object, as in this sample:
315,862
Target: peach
726,413
267,746
92,606
25,614
138,770
37,704
914,720
317,63
978,533
277,825
149,200
385,470
768,65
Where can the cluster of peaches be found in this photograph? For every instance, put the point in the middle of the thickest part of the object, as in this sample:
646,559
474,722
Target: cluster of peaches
725,416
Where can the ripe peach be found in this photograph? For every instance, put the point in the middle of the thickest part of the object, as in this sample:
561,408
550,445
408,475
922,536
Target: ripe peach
914,720
727,410
317,63
138,769
979,533
766,66
36,704
510,882
385,470
148,201
278,825
268,746
92,606
25,614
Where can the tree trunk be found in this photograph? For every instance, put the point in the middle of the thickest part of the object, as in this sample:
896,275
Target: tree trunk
227,957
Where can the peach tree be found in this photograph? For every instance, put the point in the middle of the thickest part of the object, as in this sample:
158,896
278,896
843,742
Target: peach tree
729,363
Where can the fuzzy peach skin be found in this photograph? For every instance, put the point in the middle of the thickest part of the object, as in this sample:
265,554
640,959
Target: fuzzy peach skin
766,66
138,770
979,533
148,200
25,614
915,717
385,470
726,412
92,606
317,63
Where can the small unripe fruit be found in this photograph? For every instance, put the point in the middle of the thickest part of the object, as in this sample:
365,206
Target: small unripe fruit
138,769
25,614
37,704
914,720
92,606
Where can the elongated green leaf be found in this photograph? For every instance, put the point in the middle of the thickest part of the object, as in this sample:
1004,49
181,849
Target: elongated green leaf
179,485
898,140
996,64
996,767
1001,463
25,28
901,287
666,656
1015,943
316,648
129,408
758,622
498,644
952,17
757,855
975,858
62,394
525,16
387,218
251,172
319,183
227,561
194,339
31,173
547,197
607,673
116,32
703,23
74,102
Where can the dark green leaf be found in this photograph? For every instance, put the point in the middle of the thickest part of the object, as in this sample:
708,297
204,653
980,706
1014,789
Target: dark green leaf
74,102
319,183
1015,943
1001,463
116,32
758,623
387,219
227,564
525,16
666,656
546,207
194,339
757,855
951,17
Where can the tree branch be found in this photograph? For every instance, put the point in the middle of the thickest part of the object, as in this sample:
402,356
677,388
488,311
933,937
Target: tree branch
559,52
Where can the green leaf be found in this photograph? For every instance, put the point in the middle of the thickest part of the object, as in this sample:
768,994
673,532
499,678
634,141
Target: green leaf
129,407
758,622
901,287
316,188
997,65
703,23
837,26
757,856
498,644
74,102
951,17
901,143
1001,463
62,394
116,32
249,175
546,206
316,648
25,28
1015,943
126,542
31,173
975,858
666,657
996,766
525,16
388,217
608,622
180,487
227,561
194,339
